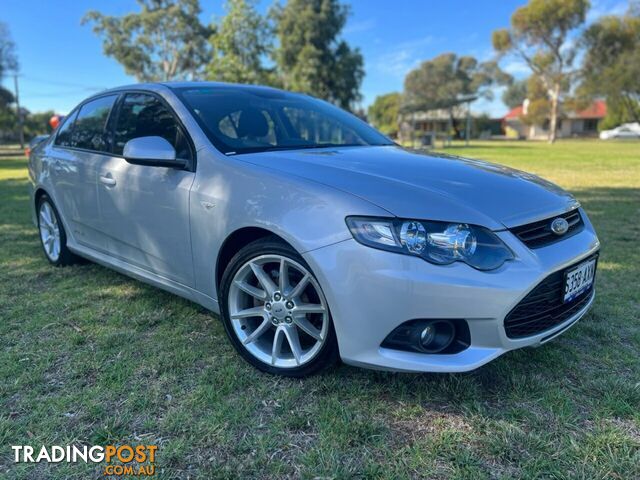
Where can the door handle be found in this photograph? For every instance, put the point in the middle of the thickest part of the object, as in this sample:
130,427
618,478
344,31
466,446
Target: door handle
107,180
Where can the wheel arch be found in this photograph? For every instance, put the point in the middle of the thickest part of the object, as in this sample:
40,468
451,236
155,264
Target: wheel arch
37,195
237,240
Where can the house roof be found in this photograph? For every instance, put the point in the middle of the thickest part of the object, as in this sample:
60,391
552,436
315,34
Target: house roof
514,113
598,109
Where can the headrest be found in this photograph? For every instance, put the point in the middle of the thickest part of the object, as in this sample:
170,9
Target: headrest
252,124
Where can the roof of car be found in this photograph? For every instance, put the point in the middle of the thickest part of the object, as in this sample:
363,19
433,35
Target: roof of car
184,84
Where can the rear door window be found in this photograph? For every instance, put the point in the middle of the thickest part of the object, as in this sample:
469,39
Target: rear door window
90,130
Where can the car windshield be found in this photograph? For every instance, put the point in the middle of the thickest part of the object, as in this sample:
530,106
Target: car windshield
256,119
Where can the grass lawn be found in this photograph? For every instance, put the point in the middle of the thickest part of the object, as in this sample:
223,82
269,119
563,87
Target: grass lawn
90,356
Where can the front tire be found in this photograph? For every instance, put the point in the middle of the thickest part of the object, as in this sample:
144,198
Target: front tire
274,311
53,236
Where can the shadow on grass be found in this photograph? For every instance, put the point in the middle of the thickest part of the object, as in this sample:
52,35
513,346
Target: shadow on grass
12,163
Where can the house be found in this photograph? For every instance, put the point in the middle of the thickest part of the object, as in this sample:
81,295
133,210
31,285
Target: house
443,123
583,123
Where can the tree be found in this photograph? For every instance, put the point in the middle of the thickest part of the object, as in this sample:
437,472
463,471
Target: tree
311,57
241,41
447,81
538,106
611,66
515,94
384,112
8,58
164,41
538,36
9,117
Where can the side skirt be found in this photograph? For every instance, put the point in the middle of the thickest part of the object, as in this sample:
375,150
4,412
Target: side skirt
145,276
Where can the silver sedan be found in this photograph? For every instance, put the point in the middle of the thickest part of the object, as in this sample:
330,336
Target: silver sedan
312,235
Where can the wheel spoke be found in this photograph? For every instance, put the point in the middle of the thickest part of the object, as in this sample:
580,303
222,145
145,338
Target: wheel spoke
306,326
263,327
277,345
309,308
44,220
247,313
283,276
48,243
264,279
299,288
46,210
294,342
251,290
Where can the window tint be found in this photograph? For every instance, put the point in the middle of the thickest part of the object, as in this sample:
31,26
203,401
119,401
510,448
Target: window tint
143,115
89,131
314,127
253,119
234,126
63,137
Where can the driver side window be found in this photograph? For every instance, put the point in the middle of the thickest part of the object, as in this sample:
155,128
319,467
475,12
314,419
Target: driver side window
143,115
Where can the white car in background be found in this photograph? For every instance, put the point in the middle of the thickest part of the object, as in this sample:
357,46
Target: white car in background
626,130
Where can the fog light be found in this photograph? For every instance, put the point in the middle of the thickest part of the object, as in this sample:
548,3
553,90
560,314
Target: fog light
430,336
437,336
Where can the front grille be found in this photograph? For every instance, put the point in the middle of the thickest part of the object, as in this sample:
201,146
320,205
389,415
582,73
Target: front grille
543,307
539,234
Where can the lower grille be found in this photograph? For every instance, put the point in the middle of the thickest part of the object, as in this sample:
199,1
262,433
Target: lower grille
543,308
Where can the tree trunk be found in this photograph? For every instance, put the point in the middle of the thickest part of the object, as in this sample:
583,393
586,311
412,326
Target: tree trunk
553,122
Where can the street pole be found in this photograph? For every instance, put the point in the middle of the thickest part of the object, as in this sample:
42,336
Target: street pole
18,111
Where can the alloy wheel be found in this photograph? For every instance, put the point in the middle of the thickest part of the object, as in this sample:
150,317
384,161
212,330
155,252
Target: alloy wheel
278,311
49,231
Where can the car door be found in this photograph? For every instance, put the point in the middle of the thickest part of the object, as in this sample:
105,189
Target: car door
81,144
144,210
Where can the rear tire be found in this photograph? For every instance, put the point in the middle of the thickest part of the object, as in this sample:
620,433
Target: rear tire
53,236
280,327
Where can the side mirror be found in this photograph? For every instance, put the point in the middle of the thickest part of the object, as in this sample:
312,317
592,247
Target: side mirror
152,152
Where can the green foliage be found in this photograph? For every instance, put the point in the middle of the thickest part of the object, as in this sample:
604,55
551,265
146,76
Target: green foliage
311,57
8,62
37,123
8,58
618,112
515,94
538,35
548,21
164,41
611,66
384,111
8,122
241,41
6,98
448,79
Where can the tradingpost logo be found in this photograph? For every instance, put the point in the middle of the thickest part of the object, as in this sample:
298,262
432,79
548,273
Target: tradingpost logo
133,460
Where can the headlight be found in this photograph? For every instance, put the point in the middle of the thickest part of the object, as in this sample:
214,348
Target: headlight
441,243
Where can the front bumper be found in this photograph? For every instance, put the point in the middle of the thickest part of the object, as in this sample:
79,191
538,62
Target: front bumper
371,292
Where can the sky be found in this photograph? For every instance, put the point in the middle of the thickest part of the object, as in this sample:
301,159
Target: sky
61,61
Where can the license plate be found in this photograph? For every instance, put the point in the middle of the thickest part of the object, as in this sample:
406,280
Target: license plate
579,279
